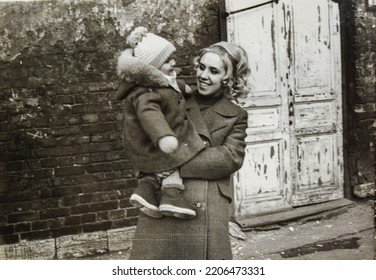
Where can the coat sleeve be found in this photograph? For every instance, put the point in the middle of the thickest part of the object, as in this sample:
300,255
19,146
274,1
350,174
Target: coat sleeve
148,110
219,162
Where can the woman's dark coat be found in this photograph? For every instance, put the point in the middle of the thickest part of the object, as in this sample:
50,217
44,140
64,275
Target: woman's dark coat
208,190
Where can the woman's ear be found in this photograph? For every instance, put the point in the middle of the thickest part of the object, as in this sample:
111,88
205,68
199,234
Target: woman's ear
227,82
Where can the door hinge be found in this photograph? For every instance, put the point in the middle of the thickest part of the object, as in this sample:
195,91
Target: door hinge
249,8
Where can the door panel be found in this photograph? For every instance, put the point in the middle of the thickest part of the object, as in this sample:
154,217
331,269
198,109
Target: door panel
294,140
263,184
317,122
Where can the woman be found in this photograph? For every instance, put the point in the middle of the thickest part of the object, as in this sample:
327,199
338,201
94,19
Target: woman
221,75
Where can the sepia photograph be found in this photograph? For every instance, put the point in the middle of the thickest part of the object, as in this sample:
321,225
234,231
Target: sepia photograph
187,130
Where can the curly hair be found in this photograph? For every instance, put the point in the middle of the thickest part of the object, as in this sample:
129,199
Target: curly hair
235,61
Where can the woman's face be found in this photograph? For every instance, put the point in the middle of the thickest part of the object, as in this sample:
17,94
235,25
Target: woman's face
209,75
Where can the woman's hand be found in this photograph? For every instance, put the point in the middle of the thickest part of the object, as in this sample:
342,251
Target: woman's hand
168,144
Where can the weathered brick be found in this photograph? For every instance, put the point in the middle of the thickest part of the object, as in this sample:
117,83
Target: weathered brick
67,99
107,116
118,214
55,223
40,122
32,235
65,161
6,229
69,140
103,196
88,218
54,213
43,173
78,180
67,151
26,195
98,127
58,121
66,190
80,209
86,198
99,167
124,203
48,162
132,212
15,166
66,171
97,157
98,147
97,226
38,225
125,222
85,108
74,120
71,200
49,142
81,159
73,220
110,205
23,227
70,230
51,203
70,130
90,118
3,220
9,239
103,216
22,217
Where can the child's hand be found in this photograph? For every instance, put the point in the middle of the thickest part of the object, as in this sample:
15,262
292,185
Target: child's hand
168,144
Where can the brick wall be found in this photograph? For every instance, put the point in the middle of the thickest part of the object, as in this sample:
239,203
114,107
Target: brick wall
360,59
63,169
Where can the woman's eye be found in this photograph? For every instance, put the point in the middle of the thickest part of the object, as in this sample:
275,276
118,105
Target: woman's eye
214,71
201,67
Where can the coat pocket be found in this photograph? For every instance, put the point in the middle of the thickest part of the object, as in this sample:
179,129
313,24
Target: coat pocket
225,189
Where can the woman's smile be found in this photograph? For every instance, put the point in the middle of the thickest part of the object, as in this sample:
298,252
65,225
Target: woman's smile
203,84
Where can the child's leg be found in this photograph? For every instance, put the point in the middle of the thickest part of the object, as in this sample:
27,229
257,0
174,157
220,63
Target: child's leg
173,178
145,195
172,202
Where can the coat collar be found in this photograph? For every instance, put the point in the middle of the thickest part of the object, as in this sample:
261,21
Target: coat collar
223,111
134,72
223,107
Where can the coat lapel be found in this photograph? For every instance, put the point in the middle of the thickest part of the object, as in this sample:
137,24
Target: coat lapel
195,115
221,116
223,113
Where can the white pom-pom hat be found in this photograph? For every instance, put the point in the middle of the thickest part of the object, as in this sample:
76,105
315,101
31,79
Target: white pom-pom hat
150,48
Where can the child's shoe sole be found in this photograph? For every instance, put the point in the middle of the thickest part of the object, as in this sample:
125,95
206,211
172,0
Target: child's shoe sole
151,213
177,212
147,208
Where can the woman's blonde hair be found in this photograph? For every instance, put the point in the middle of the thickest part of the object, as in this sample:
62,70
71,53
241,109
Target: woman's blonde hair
235,60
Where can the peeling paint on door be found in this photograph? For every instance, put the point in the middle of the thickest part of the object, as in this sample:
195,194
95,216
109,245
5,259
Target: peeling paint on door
294,140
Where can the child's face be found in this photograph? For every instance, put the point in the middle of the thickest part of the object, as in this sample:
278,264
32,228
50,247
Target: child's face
168,66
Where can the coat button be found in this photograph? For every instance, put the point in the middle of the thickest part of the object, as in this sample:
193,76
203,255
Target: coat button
198,205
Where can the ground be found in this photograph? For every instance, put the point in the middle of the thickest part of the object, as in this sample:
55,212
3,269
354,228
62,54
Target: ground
345,234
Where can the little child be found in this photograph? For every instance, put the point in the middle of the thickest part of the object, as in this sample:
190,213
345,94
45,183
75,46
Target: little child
157,133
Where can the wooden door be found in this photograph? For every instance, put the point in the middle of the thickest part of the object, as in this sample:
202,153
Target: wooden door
294,135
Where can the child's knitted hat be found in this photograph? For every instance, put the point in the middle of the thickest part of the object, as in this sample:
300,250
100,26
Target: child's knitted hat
149,48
